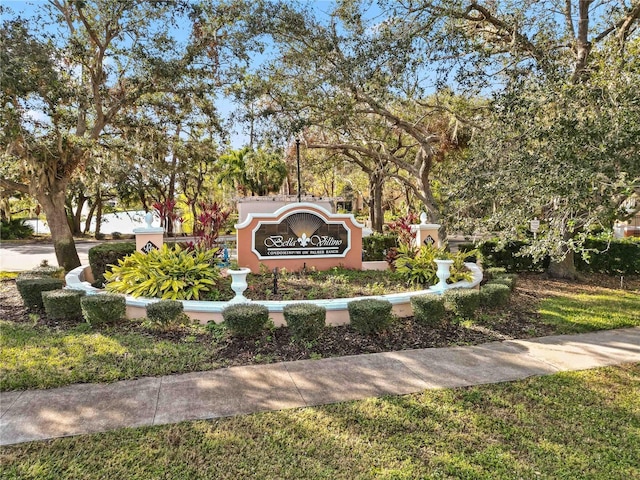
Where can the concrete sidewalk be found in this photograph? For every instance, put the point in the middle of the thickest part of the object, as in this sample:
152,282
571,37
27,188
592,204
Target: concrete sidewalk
88,408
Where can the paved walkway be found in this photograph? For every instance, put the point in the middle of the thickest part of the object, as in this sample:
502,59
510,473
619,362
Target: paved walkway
89,408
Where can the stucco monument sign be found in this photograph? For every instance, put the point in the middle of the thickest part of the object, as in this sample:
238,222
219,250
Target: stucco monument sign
299,235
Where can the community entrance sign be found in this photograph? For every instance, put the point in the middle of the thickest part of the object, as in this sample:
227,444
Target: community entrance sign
299,235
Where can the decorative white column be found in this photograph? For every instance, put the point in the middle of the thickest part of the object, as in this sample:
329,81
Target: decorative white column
426,233
149,238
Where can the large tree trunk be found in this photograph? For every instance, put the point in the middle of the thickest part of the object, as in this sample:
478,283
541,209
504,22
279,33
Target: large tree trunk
77,214
87,222
53,204
375,208
565,268
98,214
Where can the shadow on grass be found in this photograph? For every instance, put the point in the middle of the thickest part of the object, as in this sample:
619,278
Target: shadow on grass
571,425
578,313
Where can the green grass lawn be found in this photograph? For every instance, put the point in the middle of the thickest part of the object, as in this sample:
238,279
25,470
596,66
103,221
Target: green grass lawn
580,425
42,357
582,312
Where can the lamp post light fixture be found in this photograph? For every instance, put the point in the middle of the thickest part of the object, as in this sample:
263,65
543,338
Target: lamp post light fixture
298,159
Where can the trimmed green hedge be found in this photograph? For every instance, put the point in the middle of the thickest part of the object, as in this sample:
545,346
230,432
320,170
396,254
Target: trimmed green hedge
103,308
101,256
165,312
375,247
31,289
615,257
246,319
305,320
463,303
428,309
494,295
370,315
63,304
505,258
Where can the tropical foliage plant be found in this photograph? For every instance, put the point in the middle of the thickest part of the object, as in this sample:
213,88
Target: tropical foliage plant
418,267
169,273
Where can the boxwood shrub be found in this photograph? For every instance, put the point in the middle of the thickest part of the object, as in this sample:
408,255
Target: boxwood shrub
493,272
370,315
305,320
462,302
509,280
101,256
31,289
375,247
103,308
494,295
428,309
165,312
246,319
614,257
62,304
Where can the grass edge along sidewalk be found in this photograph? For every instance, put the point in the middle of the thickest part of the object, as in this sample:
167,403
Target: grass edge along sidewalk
568,425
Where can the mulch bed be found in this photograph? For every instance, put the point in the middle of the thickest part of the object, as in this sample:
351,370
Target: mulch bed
518,320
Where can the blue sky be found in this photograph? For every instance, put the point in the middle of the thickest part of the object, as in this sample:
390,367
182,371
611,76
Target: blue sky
238,133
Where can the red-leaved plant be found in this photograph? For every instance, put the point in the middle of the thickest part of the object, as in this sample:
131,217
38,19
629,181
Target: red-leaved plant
401,227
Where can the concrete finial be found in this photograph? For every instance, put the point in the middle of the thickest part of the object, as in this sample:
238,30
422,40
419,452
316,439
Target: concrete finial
148,218
423,218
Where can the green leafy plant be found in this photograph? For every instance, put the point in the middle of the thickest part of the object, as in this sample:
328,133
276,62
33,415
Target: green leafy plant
463,303
168,273
15,229
62,304
305,320
104,308
370,315
418,267
377,246
31,289
509,280
246,319
166,312
102,256
428,309
494,295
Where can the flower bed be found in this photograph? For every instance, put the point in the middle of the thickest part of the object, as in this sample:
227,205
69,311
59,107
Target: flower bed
205,311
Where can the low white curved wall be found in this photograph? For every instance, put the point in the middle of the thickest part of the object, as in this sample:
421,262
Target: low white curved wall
337,314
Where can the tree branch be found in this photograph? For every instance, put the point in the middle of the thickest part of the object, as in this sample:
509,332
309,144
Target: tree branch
11,186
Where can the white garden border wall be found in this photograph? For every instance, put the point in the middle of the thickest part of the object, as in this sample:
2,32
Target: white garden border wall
337,313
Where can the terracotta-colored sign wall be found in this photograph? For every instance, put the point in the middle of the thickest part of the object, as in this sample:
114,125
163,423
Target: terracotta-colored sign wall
297,236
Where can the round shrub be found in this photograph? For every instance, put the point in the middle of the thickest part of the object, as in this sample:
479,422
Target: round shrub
507,279
104,308
463,303
246,319
494,295
428,309
493,272
370,315
31,289
165,312
305,320
62,304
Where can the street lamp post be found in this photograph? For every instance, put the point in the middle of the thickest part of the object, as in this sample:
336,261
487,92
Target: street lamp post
298,159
